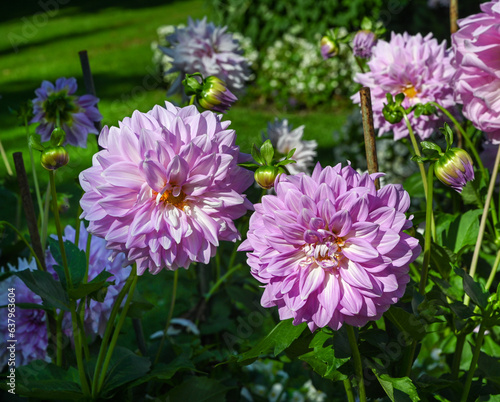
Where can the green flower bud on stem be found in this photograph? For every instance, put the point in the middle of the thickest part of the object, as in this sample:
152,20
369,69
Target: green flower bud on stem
266,175
54,157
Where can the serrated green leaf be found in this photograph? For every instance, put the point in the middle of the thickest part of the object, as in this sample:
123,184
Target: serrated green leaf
463,231
474,289
43,284
267,152
407,323
398,389
77,261
281,336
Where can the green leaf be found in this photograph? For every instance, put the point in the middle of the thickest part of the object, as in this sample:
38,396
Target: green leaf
322,358
398,389
474,289
267,152
290,154
442,259
35,143
281,336
199,389
285,162
77,261
85,289
257,156
430,145
249,165
125,366
45,286
407,323
42,380
463,231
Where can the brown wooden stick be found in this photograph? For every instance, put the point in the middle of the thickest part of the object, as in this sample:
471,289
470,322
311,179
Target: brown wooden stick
29,210
89,84
453,16
369,132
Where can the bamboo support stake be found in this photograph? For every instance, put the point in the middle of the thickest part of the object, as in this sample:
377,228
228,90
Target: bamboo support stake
369,132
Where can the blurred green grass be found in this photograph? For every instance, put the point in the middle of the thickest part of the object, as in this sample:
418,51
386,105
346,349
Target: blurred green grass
37,45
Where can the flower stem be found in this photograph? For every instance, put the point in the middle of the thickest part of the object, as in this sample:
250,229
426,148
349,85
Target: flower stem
59,336
109,330
482,225
21,237
5,160
348,390
457,357
45,220
116,333
493,272
52,176
170,314
473,363
428,231
358,367
221,280
33,170
191,101
78,349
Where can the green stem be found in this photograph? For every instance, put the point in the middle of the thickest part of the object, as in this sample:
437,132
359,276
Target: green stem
493,271
348,390
411,356
78,350
473,363
20,235
45,220
221,280
52,176
417,152
457,357
108,332
428,231
358,367
5,160
169,317
191,101
59,336
116,333
33,170
482,225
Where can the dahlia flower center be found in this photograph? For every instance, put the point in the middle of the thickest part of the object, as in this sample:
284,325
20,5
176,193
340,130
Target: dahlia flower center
62,103
410,91
168,197
326,254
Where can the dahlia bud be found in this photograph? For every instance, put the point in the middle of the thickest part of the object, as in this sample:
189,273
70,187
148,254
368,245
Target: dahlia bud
215,95
265,176
393,111
57,137
454,168
54,157
329,46
362,44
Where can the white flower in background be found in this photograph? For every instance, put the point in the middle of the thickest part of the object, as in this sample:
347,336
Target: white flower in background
284,138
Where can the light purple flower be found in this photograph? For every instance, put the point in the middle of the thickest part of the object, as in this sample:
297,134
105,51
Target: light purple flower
330,248
477,80
77,113
96,314
363,43
454,169
285,138
417,66
30,325
166,188
208,49
329,47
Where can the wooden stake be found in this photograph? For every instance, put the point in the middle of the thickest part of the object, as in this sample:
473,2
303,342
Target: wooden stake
369,132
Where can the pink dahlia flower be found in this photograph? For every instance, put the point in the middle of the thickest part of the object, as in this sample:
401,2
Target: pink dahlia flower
166,188
330,248
96,314
477,80
363,43
417,66
77,114
30,325
207,49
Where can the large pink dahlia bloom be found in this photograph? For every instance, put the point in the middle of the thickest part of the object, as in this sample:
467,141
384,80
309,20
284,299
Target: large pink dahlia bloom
330,248
477,80
415,65
166,188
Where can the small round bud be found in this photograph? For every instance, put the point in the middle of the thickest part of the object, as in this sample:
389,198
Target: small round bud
329,47
57,137
266,175
54,157
215,95
454,168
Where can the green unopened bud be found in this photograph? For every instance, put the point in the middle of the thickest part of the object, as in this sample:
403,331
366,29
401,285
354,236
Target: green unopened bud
266,175
57,137
215,95
329,46
54,157
454,168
